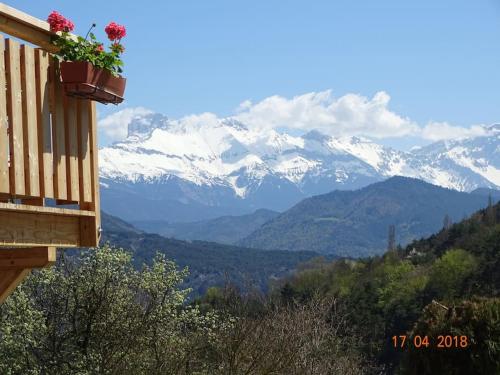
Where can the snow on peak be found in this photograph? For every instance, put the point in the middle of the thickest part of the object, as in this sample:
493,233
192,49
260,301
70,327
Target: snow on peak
206,150
141,126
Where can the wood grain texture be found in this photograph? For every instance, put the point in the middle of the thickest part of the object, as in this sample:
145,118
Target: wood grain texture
15,115
34,257
58,134
71,126
96,204
21,229
9,280
4,126
44,127
30,126
84,159
26,27
44,210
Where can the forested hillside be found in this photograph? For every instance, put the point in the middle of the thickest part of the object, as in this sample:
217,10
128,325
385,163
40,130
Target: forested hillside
209,263
447,284
224,229
355,223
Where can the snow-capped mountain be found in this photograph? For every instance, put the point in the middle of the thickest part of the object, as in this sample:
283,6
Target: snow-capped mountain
182,170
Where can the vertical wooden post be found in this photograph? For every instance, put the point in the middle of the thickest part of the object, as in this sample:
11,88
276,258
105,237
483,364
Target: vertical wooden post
4,127
30,128
43,120
59,135
85,158
71,125
15,115
91,230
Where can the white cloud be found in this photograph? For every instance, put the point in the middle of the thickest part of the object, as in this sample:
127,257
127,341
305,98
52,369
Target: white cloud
195,121
439,131
114,127
350,114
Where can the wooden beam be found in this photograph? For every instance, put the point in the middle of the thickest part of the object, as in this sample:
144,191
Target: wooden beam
26,27
31,226
15,265
35,257
9,280
44,210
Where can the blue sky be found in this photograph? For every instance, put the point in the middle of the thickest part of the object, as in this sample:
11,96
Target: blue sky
439,61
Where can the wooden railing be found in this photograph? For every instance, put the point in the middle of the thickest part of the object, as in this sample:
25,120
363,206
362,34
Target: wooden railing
48,153
48,134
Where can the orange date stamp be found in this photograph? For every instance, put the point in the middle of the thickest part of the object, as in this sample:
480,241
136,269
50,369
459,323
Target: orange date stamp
441,342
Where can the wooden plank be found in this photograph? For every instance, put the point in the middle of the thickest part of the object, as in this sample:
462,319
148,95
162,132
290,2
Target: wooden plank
22,229
61,202
9,280
71,125
12,207
4,126
24,18
33,257
89,232
24,26
96,201
33,201
84,151
15,115
58,134
30,128
44,127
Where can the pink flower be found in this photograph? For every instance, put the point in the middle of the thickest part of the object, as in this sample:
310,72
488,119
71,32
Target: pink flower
99,48
58,22
115,31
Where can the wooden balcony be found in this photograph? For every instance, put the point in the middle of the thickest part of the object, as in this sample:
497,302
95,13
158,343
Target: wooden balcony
49,188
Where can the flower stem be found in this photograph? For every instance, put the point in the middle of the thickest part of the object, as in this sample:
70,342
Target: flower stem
88,32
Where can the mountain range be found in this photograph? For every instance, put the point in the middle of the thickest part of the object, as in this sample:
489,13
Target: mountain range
224,229
186,171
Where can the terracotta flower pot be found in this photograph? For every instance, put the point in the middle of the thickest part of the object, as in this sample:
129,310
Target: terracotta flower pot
79,72
82,79
110,83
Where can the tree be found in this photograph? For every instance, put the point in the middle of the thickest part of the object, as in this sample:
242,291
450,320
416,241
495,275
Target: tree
295,339
475,322
447,222
97,314
100,315
391,241
450,271
490,211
